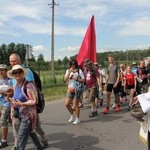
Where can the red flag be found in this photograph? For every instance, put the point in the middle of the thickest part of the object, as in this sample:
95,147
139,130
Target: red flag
88,47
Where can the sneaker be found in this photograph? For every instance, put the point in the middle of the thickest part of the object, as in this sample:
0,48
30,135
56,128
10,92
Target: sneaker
81,106
77,121
106,111
93,114
44,144
129,108
3,144
72,118
117,109
114,105
14,148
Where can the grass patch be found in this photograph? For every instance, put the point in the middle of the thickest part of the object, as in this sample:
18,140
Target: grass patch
54,92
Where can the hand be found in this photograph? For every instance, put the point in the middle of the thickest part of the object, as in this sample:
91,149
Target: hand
18,103
115,85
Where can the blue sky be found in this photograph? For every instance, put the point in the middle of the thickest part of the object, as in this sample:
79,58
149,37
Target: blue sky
120,24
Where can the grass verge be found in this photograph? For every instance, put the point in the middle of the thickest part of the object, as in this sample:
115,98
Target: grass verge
54,92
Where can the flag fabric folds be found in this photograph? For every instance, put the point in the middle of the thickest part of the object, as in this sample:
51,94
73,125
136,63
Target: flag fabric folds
88,46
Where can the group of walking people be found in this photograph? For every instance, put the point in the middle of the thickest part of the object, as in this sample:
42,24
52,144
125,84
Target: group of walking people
19,107
117,78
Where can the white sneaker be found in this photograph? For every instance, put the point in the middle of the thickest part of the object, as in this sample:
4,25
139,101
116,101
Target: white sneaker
72,118
77,121
114,105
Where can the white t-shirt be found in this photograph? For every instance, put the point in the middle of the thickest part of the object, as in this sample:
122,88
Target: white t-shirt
72,83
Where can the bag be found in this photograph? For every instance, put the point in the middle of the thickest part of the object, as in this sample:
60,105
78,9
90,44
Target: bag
37,79
71,90
41,101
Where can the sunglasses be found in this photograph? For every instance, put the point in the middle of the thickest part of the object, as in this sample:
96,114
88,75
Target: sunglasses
73,64
17,72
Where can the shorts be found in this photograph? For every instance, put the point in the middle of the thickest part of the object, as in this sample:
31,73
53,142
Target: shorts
92,94
73,96
5,116
129,87
110,88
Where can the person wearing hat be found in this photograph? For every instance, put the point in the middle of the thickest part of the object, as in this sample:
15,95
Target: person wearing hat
15,59
5,105
24,107
92,78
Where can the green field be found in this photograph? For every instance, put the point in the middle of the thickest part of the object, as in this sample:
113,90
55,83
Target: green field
53,88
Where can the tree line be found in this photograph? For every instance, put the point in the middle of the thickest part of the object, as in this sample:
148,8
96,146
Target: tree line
127,57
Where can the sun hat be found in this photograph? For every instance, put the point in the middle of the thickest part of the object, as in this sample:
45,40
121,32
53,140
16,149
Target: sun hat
87,62
16,67
3,66
134,63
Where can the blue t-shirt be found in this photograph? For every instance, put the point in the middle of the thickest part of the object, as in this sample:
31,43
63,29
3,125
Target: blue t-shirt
18,95
134,70
3,102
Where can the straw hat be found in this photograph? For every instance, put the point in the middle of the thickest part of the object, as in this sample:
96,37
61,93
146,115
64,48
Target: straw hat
16,67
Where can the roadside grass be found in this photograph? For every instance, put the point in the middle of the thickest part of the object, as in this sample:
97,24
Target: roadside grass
54,92
53,88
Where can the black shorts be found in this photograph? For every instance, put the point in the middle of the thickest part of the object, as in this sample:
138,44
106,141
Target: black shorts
129,87
110,88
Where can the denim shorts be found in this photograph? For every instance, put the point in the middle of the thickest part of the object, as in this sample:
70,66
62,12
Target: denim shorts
72,96
5,116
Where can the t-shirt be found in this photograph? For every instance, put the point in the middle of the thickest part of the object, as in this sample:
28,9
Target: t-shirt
9,82
113,73
91,78
76,74
130,78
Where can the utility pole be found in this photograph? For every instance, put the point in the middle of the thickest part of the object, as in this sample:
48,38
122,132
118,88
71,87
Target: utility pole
52,37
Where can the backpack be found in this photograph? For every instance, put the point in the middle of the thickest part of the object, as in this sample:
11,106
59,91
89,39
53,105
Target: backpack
37,79
41,101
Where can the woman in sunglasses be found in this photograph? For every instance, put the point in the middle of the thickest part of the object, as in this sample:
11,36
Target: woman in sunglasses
24,108
73,76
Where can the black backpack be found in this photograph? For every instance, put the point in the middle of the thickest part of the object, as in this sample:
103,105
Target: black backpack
37,80
41,101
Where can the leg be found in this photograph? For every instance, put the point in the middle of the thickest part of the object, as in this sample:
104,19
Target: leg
15,124
23,133
68,103
40,131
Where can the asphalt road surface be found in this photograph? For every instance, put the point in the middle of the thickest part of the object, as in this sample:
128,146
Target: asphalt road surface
115,131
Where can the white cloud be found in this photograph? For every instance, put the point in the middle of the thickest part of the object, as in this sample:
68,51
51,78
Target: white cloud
69,49
39,48
137,27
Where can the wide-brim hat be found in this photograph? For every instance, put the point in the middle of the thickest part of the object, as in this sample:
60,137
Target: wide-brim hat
16,67
87,62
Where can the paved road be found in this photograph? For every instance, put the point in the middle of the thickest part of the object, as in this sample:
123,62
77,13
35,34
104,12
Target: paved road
116,131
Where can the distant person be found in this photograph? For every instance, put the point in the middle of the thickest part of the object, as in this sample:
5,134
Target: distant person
123,71
73,76
130,85
143,75
14,59
112,80
92,79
